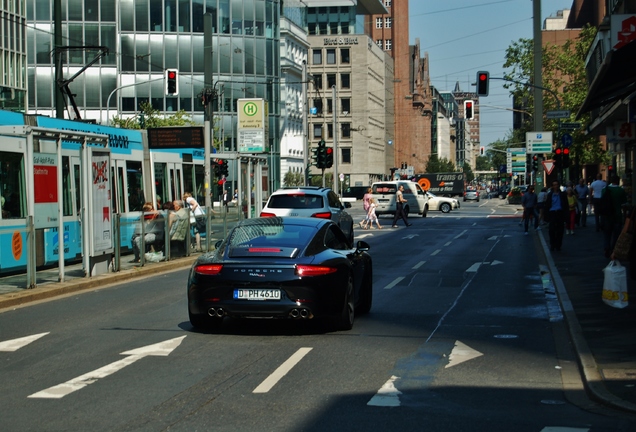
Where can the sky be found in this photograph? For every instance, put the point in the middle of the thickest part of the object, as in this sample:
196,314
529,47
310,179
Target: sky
462,37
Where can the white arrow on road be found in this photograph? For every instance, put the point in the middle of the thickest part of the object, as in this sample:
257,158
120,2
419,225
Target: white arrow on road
159,349
16,344
461,353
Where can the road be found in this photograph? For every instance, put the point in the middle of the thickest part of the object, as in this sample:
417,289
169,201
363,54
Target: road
464,335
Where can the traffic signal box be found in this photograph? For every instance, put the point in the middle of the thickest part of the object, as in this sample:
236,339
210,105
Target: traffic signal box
558,157
483,81
172,82
321,155
535,163
329,159
566,157
469,106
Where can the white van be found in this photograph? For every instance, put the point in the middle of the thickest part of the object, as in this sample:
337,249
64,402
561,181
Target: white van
384,194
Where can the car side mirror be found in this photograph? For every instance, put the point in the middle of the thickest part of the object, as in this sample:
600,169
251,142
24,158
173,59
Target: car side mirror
362,246
347,204
218,244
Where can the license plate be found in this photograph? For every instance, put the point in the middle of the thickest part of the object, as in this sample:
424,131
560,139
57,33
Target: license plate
257,294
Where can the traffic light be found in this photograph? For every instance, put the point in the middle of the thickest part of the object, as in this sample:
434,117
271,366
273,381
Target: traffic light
329,159
558,157
483,80
610,172
172,82
566,157
468,109
314,156
482,151
217,167
535,163
223,168
321,159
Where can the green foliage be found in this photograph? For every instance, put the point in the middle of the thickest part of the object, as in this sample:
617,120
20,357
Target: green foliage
482,163
150,117
564,78
293,179
470,176
436,165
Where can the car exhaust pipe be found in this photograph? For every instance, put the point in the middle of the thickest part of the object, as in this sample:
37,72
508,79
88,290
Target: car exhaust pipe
220,312
304,313
212,312
294,313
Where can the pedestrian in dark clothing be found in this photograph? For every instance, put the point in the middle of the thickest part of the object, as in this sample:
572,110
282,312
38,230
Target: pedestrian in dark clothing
612,219
582,193
556,213
529,204
399,207
596,188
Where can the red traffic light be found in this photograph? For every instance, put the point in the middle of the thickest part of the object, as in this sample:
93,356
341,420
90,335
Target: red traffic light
172,74
219,161
329,150
558,151
566,151
535,157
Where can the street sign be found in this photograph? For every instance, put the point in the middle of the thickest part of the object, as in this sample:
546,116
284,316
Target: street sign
571,126
538,142
548,166
558,114
566,140
516,159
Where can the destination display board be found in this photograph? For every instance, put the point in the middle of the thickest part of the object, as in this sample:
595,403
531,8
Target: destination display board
175,137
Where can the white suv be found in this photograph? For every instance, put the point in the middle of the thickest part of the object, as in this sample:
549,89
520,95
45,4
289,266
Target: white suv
384,194
310,201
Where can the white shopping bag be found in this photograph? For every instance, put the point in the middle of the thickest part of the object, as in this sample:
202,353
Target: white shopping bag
615,285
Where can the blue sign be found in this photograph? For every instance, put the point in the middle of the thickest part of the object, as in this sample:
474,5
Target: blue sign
566,140
313,110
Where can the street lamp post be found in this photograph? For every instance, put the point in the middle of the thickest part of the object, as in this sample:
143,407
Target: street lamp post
119,88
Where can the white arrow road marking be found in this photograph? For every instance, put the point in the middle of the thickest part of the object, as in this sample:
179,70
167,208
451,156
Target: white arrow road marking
495,262
388,395
282,370
59,391
16,344
411,236
461,353
473,268
394,283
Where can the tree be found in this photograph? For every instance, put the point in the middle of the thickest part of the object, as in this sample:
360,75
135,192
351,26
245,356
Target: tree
482,163
564,76
150,117
436,165
468,171
293,179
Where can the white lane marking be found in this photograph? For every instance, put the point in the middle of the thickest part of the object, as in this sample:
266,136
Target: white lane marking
473,268
418,265
460,234
388,395
461,353
361,236
448,243
59,391
394,283
282,370
16,344
563,429
495,262
436,252
411,236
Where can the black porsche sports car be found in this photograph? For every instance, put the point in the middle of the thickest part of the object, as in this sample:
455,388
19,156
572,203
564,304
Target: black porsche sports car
292,268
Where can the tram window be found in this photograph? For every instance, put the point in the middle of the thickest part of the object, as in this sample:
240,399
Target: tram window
188,179
13,198
161,186
199,179
135,186
67,190
78,191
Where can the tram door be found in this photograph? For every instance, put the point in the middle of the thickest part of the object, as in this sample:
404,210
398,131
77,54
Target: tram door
168,182
128,197
13,199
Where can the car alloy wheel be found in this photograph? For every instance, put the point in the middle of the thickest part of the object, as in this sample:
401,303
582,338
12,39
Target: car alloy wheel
445,207
346,318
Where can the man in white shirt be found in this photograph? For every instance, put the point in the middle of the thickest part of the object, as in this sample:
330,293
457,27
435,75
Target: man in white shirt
597,189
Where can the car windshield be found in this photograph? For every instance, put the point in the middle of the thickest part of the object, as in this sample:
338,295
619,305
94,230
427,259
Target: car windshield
268,236
296,201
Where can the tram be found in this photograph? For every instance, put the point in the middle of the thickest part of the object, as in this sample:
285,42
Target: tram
138,174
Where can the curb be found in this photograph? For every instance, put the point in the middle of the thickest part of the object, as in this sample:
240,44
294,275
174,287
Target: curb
592,379
51,290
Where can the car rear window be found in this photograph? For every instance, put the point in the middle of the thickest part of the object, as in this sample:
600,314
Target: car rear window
296,201
384,188
263,236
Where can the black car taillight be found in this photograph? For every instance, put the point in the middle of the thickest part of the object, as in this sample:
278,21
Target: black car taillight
209,269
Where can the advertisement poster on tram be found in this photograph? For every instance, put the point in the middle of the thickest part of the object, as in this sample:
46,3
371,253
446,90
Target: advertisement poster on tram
101,201
45,193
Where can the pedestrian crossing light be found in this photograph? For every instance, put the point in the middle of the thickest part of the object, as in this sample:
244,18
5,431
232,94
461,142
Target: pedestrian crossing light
566,157
468,109
558,157
483,80
329,158
172,82
535,163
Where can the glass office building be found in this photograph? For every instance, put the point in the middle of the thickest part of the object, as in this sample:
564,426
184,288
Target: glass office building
146,37
13,61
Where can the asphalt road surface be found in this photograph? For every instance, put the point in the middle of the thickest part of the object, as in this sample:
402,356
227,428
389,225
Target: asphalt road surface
464,335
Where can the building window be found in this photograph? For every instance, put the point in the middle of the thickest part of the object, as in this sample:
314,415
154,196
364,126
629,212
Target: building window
346,156
387,3
318,82
317,130
345,80
329,105
345,56
346,130
387,45
330,131
333,28
318,105
331,56
317,56
379,43
378,23
346,105
387,22
331,80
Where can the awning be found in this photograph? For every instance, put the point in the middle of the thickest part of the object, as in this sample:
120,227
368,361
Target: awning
615,79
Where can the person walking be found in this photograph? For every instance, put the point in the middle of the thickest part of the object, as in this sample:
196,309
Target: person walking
529,204
399,208
597,187
612,220
572,208
371,216
582,193
541,204
556,210
366,199
199,218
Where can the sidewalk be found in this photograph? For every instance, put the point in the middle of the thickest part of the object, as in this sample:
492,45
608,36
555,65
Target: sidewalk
603,337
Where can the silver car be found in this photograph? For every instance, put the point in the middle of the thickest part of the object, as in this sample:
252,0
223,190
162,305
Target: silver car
471,194
310,201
